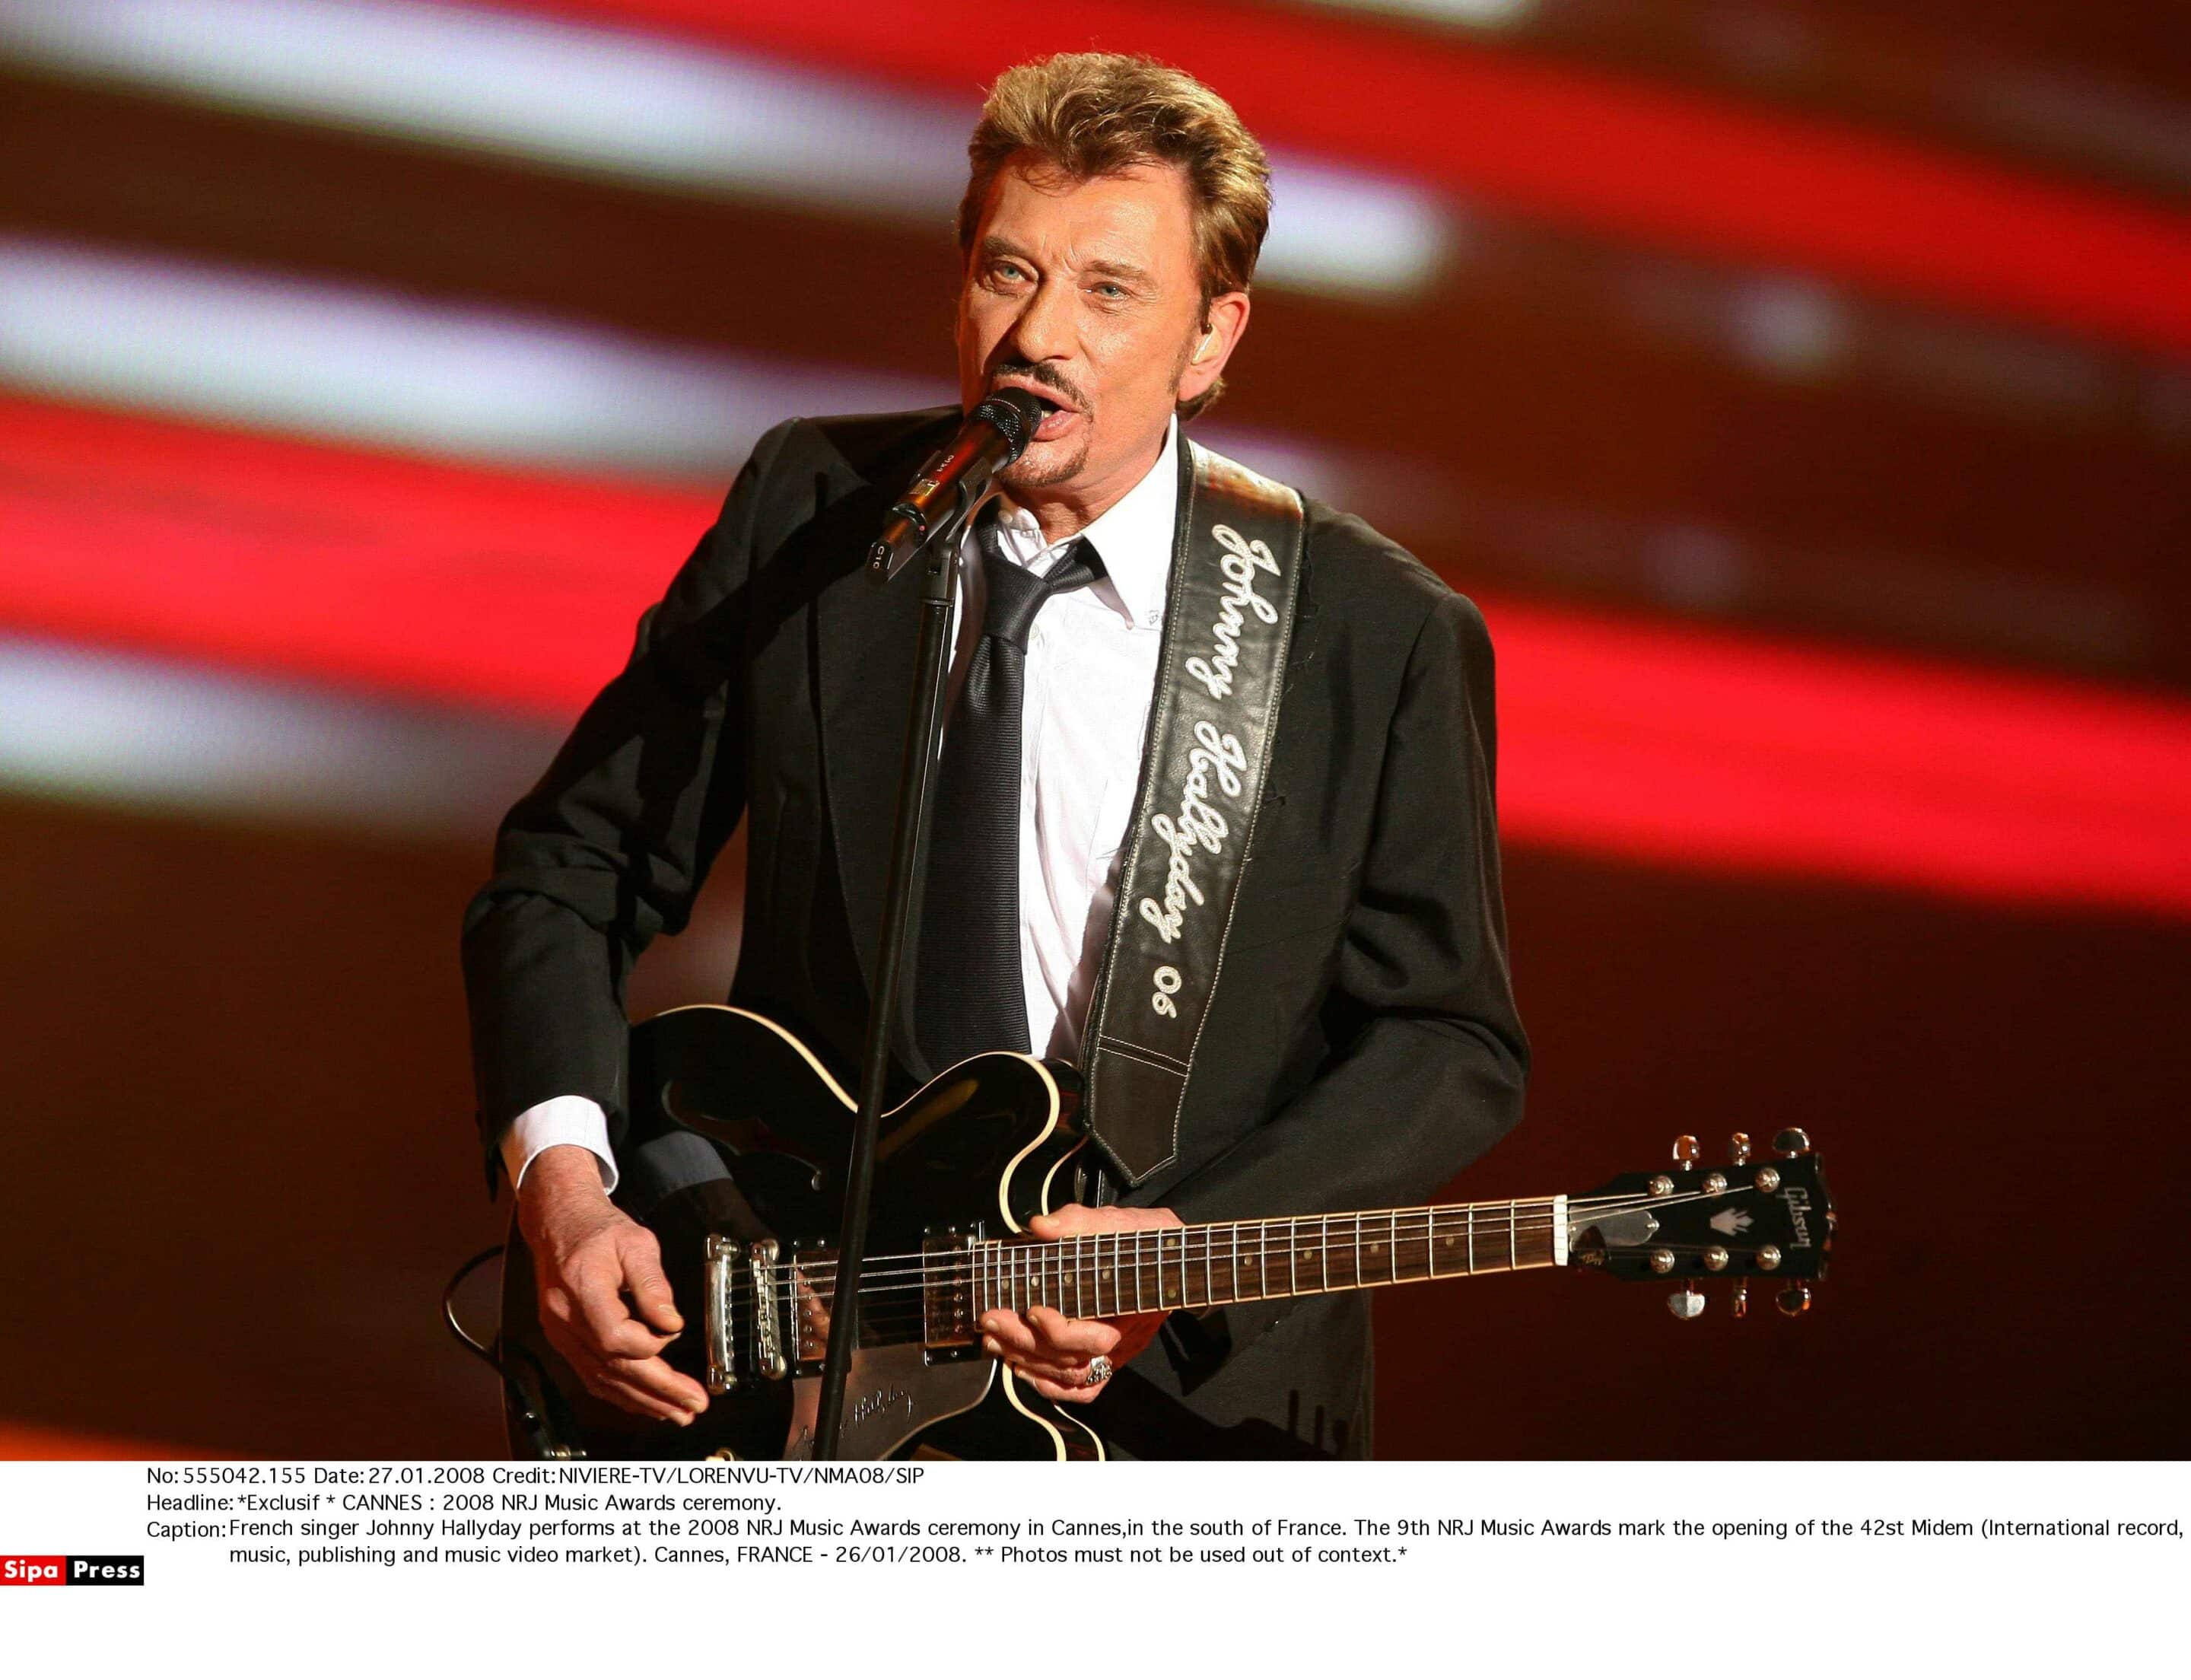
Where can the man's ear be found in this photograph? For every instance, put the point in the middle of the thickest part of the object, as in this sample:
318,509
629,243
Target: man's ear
1222,324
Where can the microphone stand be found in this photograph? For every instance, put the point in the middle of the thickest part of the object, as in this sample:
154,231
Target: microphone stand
924,733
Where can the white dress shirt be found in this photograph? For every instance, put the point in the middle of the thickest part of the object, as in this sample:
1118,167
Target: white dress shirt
1090,674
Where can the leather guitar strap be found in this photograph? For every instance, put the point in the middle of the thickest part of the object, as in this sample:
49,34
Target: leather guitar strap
1235,578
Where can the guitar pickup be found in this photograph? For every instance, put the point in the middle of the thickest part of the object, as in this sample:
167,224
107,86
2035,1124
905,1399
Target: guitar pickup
946,1290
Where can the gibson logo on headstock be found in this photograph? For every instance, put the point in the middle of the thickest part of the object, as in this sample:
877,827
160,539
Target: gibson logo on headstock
1799,1204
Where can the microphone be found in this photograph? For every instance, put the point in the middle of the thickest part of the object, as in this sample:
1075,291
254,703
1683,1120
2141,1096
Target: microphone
954,477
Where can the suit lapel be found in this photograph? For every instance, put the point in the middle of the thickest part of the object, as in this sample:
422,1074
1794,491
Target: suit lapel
864,657
866,653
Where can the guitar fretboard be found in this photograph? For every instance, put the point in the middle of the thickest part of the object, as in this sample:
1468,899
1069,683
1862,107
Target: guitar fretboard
1110,1274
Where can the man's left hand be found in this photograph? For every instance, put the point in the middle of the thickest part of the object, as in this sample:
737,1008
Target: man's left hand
1049,1351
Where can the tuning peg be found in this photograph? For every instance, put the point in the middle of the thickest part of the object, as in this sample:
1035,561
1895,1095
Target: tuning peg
1687,1303
1738,1148
1795,1300
1686,1153
1794,1141
1738,1302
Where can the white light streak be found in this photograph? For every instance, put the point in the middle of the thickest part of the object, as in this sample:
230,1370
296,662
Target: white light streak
118,729
274,353
632,106
286,354
1488,14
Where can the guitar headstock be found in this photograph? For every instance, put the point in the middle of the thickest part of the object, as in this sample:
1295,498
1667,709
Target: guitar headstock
1747,1221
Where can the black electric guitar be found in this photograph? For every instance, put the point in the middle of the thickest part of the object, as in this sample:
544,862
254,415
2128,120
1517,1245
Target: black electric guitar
962,1166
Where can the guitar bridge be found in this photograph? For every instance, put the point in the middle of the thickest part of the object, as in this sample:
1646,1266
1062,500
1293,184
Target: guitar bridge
730,1265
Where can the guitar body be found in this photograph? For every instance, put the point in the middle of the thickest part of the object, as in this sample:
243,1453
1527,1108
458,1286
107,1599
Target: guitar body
968,1160
961,1166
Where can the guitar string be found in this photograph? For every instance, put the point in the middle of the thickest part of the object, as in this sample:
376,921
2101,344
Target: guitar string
1528,1217
1039,1282
891,1323
1533,1214
911,1324
1539,1209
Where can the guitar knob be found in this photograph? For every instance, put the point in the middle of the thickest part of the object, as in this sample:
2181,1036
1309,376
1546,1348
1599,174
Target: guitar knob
1794,1141
1795,1300
1686,1303
1738,1148
1686,1153
1738,1302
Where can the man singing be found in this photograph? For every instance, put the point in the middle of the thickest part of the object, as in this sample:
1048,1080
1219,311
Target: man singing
1331,969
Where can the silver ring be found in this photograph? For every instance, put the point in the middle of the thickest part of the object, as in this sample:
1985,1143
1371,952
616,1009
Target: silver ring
1099,1372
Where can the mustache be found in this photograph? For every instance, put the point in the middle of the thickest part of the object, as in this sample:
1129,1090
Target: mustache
1043,379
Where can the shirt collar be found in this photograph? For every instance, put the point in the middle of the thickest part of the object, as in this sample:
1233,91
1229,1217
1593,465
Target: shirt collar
1134,535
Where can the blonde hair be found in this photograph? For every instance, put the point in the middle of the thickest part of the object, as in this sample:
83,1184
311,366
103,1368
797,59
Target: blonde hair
1085,115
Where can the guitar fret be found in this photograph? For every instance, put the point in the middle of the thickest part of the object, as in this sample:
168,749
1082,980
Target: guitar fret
1068,1275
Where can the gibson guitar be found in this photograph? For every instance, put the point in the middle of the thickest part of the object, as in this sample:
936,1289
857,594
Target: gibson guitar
962,1164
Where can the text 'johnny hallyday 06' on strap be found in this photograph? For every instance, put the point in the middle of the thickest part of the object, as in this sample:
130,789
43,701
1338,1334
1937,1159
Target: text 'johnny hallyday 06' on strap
1235,579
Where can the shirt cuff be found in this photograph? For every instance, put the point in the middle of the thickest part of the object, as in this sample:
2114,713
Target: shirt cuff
560,1120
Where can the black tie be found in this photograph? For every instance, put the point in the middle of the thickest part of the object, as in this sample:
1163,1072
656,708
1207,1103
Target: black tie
969,996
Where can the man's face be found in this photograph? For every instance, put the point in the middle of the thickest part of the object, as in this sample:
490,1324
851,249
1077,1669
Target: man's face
1085,293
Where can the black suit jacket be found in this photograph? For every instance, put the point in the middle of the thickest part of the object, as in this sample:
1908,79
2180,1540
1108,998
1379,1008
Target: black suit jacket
1363,1045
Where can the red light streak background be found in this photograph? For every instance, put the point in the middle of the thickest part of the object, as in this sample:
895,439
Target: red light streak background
1929,897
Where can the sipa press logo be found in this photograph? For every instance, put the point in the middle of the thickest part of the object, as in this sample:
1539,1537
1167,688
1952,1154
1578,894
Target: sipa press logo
115,1571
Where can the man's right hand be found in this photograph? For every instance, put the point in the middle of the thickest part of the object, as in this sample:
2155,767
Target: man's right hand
604,1301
